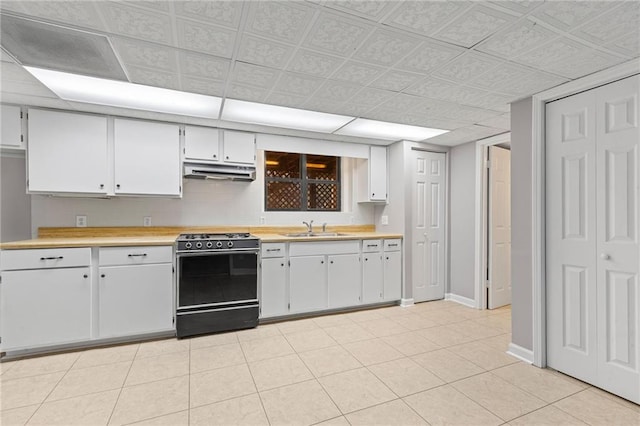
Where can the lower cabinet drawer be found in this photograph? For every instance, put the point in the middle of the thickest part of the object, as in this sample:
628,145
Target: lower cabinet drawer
272,250
44,258
393,245
111,256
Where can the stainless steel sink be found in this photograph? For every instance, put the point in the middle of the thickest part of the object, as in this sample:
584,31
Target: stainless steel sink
315,234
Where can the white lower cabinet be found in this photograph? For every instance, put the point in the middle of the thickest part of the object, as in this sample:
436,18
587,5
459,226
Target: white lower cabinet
392,287
308,284
344,280
273,292
372,278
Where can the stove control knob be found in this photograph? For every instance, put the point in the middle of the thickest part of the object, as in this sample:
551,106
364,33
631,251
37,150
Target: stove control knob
209,244
230,244
219,244
198,244
187,245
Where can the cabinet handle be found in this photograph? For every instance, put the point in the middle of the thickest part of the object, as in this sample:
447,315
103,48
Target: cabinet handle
393,245
366,259
372,245
215,156
387,257
52,258
332,262
101,185
373,193
322,262
86,276
137,255
227,157
268,250
118,186
282,264
102,275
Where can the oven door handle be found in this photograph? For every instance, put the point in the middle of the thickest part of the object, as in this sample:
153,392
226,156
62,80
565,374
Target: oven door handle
233,308
216,253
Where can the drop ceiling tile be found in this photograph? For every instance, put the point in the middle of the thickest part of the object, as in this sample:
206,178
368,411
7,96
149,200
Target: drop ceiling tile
81,13
314,63
517,80
205,38
385,47
286,99
474,26
140,53
202,86
481,132
151,4
15,6
425,17
370,96
15,79
352,109
467,67
518,38
493,101
498,122
453,138
429,56
254,75
337,34
436,88
402,102
323,105
626,45
153,77
137,23
358,72
463,112
264,52
441,123
246,93
4,57
395,80
298,84
339,91
227,13
520,6
204,66
284,21
371,9
618,22
570,14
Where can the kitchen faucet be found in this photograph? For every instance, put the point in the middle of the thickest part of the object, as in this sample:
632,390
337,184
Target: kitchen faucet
324,227
309,226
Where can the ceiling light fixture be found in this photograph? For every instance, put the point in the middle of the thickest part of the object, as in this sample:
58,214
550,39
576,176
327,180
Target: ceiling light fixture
365,128
79,88
278,116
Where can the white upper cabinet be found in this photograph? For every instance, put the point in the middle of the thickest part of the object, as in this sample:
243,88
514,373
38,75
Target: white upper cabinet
201,143
67,152
239,147
147,158
372,176
11,127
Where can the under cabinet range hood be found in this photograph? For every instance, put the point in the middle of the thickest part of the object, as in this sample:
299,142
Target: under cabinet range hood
219,172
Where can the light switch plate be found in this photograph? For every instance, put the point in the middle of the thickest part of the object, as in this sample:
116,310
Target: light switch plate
384,220
146,221
81,221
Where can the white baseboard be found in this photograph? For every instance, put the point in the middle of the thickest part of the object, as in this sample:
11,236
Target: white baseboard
461,300
406,302
521,353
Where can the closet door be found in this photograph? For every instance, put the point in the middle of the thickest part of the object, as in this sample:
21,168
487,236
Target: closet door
618,189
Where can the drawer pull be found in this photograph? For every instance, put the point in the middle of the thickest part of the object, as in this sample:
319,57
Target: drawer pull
52,258
137,255
372,245
393,245
273,249
86,276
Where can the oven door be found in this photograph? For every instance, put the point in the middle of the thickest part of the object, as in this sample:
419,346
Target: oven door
217,279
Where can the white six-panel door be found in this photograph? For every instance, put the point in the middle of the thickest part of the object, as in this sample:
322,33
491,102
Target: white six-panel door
592,237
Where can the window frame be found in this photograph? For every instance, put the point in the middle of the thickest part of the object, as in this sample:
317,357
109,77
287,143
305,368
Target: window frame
304,184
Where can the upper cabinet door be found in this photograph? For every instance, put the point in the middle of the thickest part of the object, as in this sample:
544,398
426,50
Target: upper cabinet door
201,143
147,158
67,152
11,127
378,173
239,147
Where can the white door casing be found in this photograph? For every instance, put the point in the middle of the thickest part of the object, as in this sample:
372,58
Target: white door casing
499,227
428,225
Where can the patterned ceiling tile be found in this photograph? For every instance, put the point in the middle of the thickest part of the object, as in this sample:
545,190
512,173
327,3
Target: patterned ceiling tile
569,14
323,105
13,5
164,6
204,66
498,122
254,75
474,26
205,38
284,21
339,91
286,99
619,22
371,97
264,52
138,23
440,123
402,102
371,9
493,101
358,72
466,67
521,6
467,113
15,79
314,63
517,80
225,13
425,17
146,54
337,34
298,84
431,87
386,47
81,13
453,138
153,77
352,109
4,57
202,86
516,39
626,45
395,80
428,56
246,93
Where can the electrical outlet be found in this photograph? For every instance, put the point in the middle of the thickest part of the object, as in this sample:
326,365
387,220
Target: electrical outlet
263,220
384,220
352,220
146,221
81,221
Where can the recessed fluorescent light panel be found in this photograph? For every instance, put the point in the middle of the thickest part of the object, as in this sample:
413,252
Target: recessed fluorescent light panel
278,116
390,131
79,88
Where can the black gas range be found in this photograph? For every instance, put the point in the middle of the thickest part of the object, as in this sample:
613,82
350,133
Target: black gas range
217,276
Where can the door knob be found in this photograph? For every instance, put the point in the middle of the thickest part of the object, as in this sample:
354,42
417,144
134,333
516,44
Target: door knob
605,256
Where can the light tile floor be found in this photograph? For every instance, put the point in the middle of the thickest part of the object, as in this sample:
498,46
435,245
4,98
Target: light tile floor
432,363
